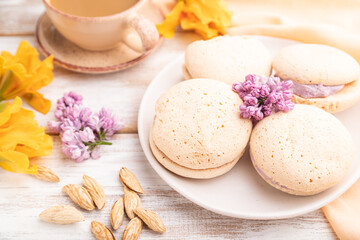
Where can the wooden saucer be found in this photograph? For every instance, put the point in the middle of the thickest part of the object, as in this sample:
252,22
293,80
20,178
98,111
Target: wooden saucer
70,56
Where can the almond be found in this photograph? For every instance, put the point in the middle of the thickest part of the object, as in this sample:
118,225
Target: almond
79,195
46,174
117,214
101,232
132,230
151,219
95,190
131,201
61,214
129,179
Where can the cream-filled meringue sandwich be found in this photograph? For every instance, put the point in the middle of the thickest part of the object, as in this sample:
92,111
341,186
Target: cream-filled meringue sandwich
322,75
228,59
302,152
197,131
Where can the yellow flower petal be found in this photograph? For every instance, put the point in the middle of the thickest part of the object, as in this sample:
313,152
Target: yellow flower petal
16,162
209,18
2,63
210,11
23,74
26,55
21,129
21,138
6,110
12,81
203,29
212,17
37,101
44,75
44,149
167,27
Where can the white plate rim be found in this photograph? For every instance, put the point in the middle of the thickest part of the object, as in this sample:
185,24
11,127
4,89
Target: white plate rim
148,154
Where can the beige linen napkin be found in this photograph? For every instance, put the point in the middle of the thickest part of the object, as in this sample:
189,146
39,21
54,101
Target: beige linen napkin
344,214
331,22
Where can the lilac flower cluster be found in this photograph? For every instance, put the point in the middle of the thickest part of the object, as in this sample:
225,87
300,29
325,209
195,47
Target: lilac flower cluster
82,132
262,95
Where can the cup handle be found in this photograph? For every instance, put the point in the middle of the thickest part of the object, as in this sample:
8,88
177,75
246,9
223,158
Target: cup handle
145,30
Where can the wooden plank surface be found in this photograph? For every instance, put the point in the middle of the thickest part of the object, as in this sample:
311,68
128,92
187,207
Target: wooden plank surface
24,197
122,91
18,17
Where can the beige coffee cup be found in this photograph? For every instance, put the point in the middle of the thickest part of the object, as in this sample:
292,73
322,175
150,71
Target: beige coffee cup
96,33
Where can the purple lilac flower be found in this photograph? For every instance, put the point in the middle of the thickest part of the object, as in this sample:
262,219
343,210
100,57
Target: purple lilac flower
95,153
68,136
108,122
70,99
250,100
54,126
75,143
68,124
84,115
262,95
66,103
86,135
79,151
82,132
94,122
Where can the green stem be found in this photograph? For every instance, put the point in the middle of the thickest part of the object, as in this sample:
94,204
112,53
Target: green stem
105,143
5,81
261,101
92,145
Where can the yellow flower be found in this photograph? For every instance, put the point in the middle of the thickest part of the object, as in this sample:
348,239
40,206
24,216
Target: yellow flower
21,138
209,18
23,74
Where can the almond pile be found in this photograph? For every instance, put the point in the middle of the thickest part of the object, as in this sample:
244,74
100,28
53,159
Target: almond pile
132,205
91,194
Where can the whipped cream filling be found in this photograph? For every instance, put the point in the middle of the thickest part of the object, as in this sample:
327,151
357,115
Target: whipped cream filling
266,177
315,91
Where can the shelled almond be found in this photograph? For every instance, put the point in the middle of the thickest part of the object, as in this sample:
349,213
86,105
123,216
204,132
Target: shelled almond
117,214
132,230
101,232
79,195
61,214
91,194
95,190
46,174
129,179
151,219
131,202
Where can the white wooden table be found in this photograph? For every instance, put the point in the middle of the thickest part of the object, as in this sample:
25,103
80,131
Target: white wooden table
23,197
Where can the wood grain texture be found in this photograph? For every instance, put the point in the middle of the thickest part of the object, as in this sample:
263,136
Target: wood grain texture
24,197
122,91
18,17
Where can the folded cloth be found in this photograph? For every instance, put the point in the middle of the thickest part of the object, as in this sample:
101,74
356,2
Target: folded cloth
331,22
344,214
315,33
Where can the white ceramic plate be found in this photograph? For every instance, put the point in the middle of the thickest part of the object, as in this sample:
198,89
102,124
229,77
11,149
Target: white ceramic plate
241,192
